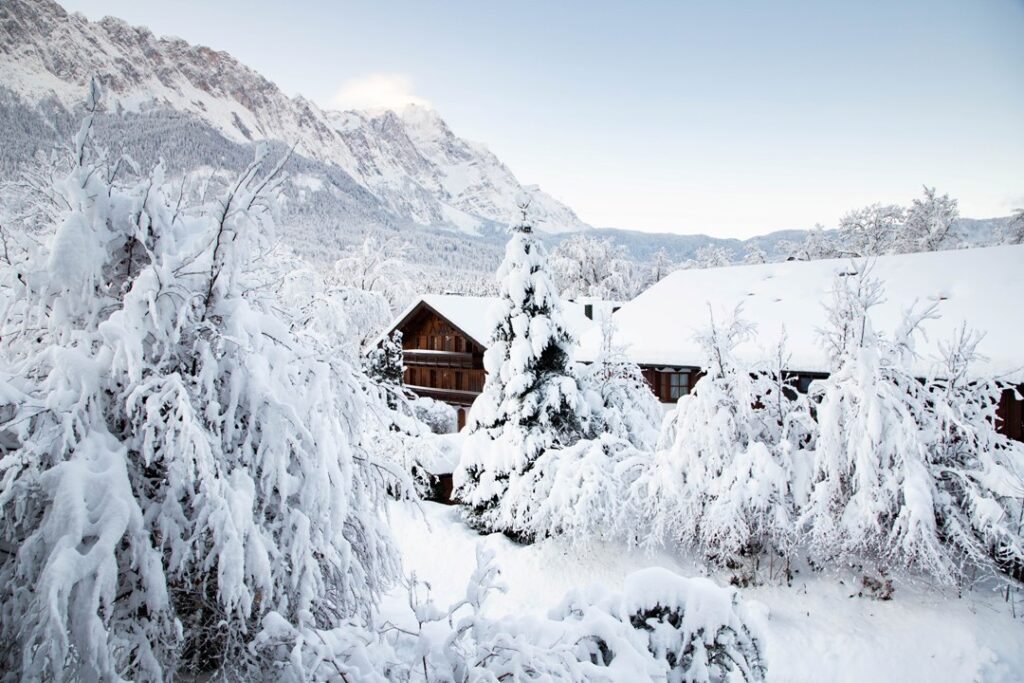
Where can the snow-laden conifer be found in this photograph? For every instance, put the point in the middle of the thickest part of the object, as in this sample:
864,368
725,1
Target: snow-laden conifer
531,400
626,405
180,465
977,485
870,459
720,481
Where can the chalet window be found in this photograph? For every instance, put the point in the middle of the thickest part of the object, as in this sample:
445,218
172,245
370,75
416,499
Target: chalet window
459,347
449,343
433,378
803,383
678,384
459,381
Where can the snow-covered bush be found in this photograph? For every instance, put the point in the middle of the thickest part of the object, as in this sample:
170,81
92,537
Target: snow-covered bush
694,630
439,416
578,493
531,400
720,481
659,627
626,405
183,463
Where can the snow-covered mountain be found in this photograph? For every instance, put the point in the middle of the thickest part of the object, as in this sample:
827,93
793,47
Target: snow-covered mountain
409,161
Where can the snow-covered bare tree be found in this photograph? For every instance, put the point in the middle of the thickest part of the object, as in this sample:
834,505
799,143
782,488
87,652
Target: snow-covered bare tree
531,400
871,231
586,266
755,255
816,245
710,256
377,265
1014,231
928,225
660,266
180,465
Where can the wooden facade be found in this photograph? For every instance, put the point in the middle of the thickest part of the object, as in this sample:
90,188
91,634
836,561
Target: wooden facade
441,361
669,383
1011,413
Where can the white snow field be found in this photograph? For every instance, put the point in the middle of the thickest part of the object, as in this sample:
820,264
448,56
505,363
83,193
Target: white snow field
817,630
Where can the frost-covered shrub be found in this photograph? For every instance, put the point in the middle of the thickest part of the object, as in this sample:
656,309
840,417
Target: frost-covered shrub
694,630
183,461
531,400
659,627
439,416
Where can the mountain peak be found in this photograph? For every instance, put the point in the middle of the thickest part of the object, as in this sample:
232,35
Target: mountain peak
408,158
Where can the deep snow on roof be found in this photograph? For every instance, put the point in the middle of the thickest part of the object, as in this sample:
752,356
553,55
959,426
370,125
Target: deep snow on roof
474,314
980,287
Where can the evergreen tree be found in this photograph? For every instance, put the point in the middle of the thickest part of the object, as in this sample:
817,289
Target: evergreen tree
386,367
907,473
720,481
870,461
627,406
531,400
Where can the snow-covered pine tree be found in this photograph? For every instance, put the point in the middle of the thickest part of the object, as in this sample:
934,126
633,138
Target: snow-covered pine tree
178,464
385,366
720,480
531,400
628,408
977,474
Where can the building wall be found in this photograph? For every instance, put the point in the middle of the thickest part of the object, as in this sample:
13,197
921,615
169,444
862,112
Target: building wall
441,362
669,383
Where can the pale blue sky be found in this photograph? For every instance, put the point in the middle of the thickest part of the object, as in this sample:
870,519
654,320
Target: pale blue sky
731,118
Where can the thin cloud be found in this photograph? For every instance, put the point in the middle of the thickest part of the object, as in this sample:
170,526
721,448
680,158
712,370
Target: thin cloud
387,91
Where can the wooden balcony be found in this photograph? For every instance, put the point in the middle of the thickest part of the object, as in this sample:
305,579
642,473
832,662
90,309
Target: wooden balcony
437,359
450,396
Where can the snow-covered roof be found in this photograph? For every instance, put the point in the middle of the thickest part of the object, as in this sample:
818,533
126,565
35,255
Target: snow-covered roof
473,314
980,287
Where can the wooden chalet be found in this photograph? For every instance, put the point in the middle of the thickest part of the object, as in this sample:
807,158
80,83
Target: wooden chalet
978,288
443,341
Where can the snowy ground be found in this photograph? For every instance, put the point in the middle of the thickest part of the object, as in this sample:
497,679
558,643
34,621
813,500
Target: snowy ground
814,630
